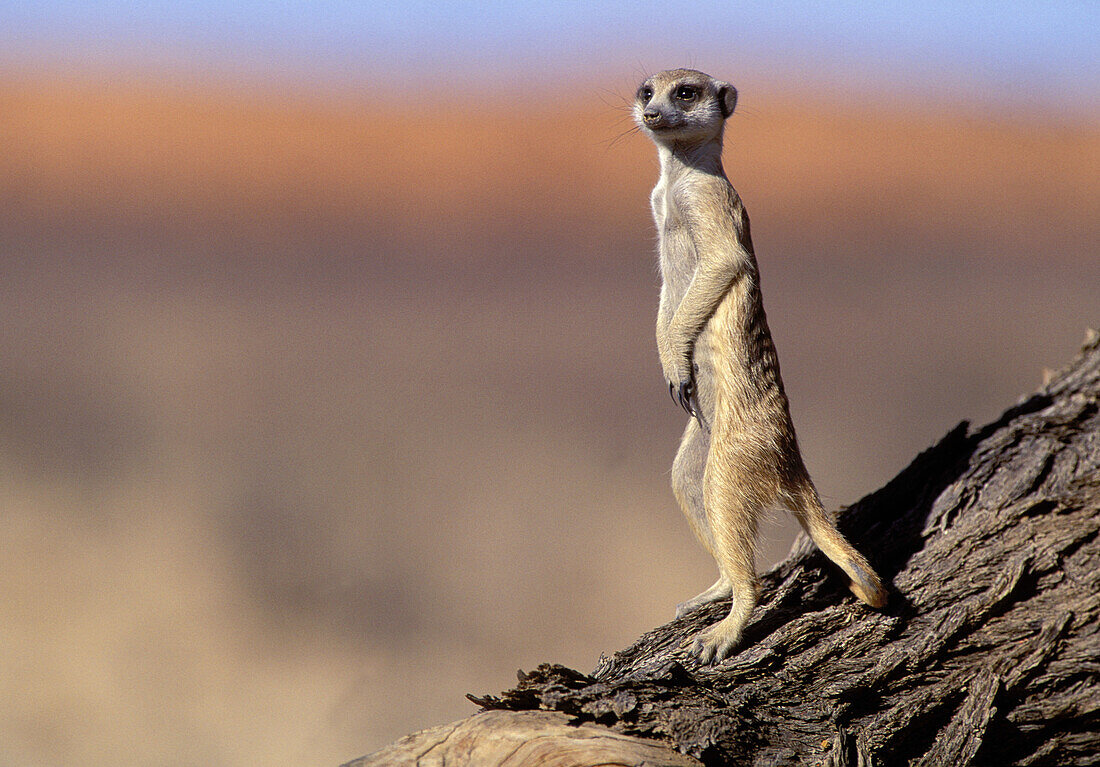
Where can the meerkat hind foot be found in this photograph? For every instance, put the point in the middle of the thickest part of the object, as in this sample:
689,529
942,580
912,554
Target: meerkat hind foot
714,644
720,590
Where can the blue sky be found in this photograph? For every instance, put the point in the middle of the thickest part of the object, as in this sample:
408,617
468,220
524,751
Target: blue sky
1046,52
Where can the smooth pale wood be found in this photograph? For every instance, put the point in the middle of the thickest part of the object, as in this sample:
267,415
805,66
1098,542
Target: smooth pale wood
524,739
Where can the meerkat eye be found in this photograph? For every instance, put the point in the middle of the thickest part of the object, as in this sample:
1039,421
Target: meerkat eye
687,92
645,93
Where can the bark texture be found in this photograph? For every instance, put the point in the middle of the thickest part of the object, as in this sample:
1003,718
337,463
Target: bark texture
988,652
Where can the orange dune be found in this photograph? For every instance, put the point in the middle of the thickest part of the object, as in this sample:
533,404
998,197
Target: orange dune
125,151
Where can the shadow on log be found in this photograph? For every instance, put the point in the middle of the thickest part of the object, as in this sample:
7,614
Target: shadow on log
987,654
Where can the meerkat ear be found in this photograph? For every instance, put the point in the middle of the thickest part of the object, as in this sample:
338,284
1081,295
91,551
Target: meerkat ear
727,98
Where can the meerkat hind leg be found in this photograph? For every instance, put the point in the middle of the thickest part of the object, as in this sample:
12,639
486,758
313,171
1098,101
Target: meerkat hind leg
721,589
864,582
687,486
716,642
734,516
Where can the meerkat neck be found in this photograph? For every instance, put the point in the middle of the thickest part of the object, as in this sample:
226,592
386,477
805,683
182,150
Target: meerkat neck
678,157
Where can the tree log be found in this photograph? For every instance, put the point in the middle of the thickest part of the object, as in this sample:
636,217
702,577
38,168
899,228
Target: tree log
988,652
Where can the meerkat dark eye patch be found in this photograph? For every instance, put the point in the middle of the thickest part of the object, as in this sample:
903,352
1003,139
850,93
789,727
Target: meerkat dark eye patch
645,93
687,93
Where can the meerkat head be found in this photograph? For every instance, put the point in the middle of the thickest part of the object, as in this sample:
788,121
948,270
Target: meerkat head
683,105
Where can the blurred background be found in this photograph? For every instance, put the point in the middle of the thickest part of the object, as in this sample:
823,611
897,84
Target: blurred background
328,386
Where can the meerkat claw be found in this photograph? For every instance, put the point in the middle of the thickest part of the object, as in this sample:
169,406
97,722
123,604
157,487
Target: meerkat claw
687,391
698,413
715,644
702,651
708,651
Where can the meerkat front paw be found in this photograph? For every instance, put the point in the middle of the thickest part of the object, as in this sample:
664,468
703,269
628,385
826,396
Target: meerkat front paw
678,372
717,642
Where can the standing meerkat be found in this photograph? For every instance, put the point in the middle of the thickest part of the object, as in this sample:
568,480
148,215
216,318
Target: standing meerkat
739,455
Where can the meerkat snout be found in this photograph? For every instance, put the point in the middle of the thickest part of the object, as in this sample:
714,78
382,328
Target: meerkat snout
652,118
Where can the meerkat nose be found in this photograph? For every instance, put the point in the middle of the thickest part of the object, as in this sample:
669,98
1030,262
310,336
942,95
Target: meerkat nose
651,116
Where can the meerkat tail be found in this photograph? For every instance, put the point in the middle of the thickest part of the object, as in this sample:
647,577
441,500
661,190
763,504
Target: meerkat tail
864,582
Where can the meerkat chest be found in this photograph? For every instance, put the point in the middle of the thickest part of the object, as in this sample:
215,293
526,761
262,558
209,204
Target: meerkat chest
678,255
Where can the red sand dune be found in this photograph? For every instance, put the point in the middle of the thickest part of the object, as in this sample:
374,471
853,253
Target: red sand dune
126,151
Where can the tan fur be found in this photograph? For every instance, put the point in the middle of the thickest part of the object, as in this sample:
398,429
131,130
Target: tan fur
739,455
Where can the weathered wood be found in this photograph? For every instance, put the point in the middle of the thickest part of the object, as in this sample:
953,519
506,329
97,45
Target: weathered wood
987,654
515,738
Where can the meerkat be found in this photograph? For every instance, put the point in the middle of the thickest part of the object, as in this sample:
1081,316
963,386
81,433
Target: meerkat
738,456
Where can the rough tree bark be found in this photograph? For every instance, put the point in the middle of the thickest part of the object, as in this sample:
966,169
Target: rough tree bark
987,654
